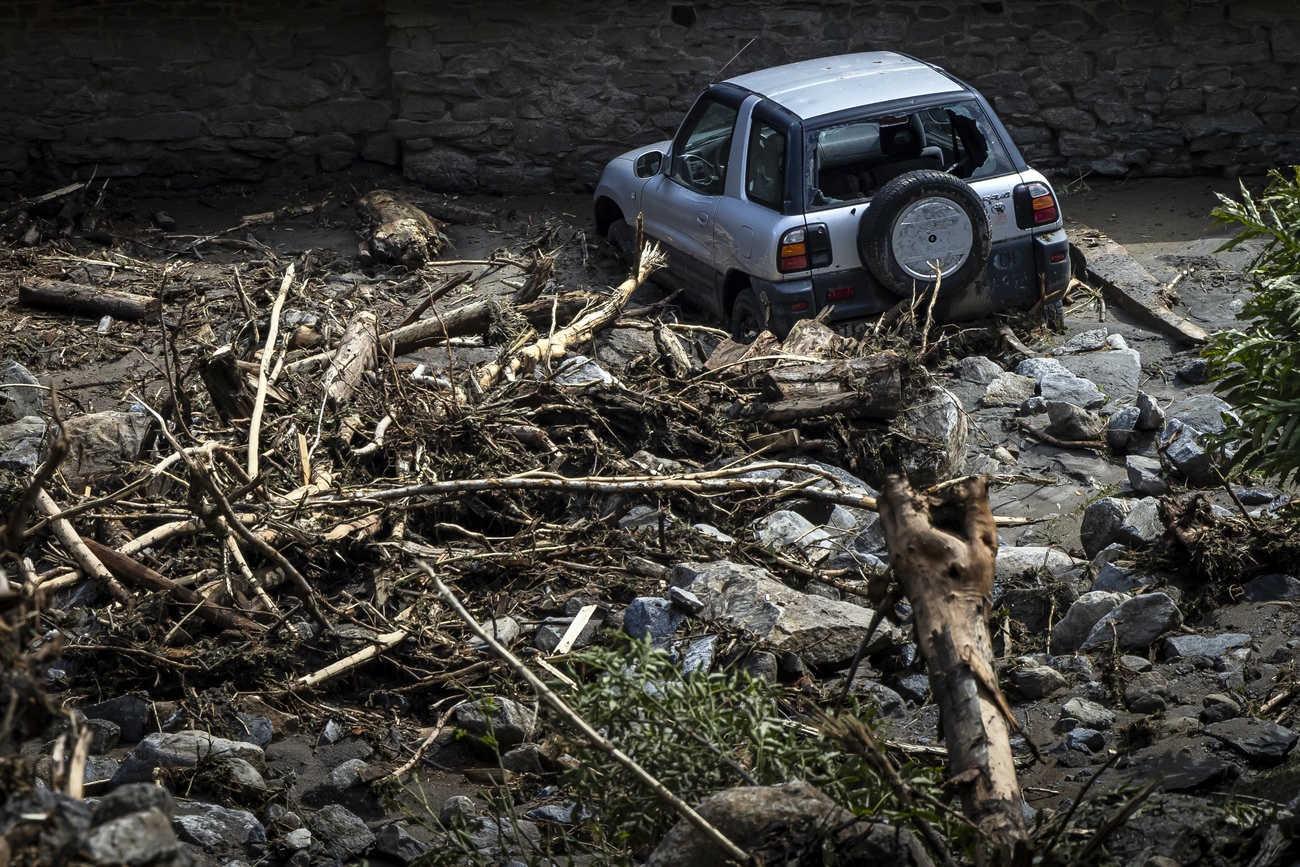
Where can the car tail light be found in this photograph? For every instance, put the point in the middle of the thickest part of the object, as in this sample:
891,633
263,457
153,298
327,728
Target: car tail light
1056,258
840,294
798,306
1035,205
793,251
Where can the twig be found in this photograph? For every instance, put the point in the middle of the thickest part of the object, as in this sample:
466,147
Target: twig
593,737
76,547
255,425
333,670
419,751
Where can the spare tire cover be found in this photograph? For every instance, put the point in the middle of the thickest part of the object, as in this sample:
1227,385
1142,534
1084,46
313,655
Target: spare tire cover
921,218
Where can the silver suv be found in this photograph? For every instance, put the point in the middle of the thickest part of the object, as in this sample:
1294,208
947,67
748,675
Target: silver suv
847,181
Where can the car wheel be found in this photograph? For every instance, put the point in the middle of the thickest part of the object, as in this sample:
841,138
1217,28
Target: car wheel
622,238
1054,316
747,319
920,218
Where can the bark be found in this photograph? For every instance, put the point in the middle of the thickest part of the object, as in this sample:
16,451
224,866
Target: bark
876,375
857,404
356,354
87,300
225,384
400,233
943,551
809,336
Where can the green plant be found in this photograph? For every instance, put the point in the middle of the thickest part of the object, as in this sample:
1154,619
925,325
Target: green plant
699,735
1255,366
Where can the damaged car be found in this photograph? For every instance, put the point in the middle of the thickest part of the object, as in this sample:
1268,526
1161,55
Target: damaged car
850,183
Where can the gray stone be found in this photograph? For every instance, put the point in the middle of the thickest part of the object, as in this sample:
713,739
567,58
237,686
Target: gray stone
1203,413
700,655
1211,646
1262,743
747,816
1112,552
504,630
1150,414
127,711
100,442
563,814
494,836
652,619
1136,624
1147,693
18,402
344,834
1142,525
1009,389
298,838
1069,422
822,631
1186,450
137,839
1218,708
935,425
180,750
1084,341
395,842
1120,428
1053,562
456,811
1145,475
1116,372
788,529
104,735
255,729
509,722
685,600
1037,368
1071,630
1037,681
713,533
1068,388
20,444
977,369
1116,579
551,631
1032,406
246,777
527,759
133,798
1102,524
220,830
1136,664
1193,372
1078,666
1271,588
914,688
1089,714
581,371
761,665
888,702
1085,740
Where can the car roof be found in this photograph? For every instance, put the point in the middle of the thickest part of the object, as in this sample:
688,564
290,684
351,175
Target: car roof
812,88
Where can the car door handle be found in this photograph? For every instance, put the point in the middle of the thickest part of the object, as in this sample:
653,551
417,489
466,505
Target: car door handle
702,218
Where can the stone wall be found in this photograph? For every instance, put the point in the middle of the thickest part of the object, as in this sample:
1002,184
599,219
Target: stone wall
506,96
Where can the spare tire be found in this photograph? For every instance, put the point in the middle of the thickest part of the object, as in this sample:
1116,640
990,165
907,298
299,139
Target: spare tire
921,217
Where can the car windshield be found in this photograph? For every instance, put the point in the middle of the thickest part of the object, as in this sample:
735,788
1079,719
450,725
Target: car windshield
849,162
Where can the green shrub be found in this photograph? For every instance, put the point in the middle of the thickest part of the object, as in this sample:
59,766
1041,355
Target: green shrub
1256,366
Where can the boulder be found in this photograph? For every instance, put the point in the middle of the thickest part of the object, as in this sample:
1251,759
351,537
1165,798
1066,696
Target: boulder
180,750
1271,588
977,369
136,839
504,630
1145,475
1009,389
509,722
822,631
1013,562
127,711
1037,681
1116,579
99,442
1136,624
1147,693
653,619
1068,388
397,843
221,831
1072,630
1069,422
344,834
1084,341
1037,368
935,428
1089,714
1116,372
759,818
1120,429
1261,742
495,837
1142,525
1186,450
133,798
1151,416
18,401
20,444
1103,523
788,529
1210,646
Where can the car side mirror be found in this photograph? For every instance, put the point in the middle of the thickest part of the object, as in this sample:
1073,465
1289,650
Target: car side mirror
648,164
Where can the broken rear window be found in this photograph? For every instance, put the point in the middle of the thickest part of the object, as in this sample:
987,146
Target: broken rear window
850,161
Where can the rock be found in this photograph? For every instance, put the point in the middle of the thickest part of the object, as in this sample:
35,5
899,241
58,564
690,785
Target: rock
563,814
1187,452
1037,368
652,619
761,665
580,371
551,631
1115,579
889,702
977,369
527,759
509,723
1069,422
1142,525
914,688
1085,341
180,750
1110,554
17,402
133,798
754,816
1198,777
256,729
504,630
456,811
1009,389
1262,743
1037,681
494,836
1136,624
99,442
699,656
685,600
714,534
344,835
1211,646
104,735
1102,523
1194,372
332,732
1070,632
1136,664
1150,414
394,841
1085,740
788,529
1120,429
822,631
1116,372
1145,475
935,424
20,444
333,788
1219,707
127,711
1079,666
298,838
1014,562
1068,388
220,830
137,839
1146,693
1271,588
1089,714
1033,406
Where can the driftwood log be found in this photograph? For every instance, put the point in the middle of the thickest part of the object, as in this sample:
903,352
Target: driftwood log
225,384
943,551
400,233
876,375
87,300
355,355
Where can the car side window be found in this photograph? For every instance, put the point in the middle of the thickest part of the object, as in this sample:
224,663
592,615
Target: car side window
700,163
765,166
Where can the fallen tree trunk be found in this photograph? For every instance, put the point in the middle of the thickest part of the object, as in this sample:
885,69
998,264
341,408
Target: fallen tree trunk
400,233
89,300
225,384
943,551
858,404
876,375
356,353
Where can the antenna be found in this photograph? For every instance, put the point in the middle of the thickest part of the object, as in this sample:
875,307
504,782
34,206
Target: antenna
733,59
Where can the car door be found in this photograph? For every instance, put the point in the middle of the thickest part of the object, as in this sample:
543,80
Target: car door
679,203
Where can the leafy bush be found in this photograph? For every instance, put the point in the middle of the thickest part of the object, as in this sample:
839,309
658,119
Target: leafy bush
694,735
1256,368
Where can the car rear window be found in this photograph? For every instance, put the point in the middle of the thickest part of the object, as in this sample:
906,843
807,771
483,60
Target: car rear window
848,162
